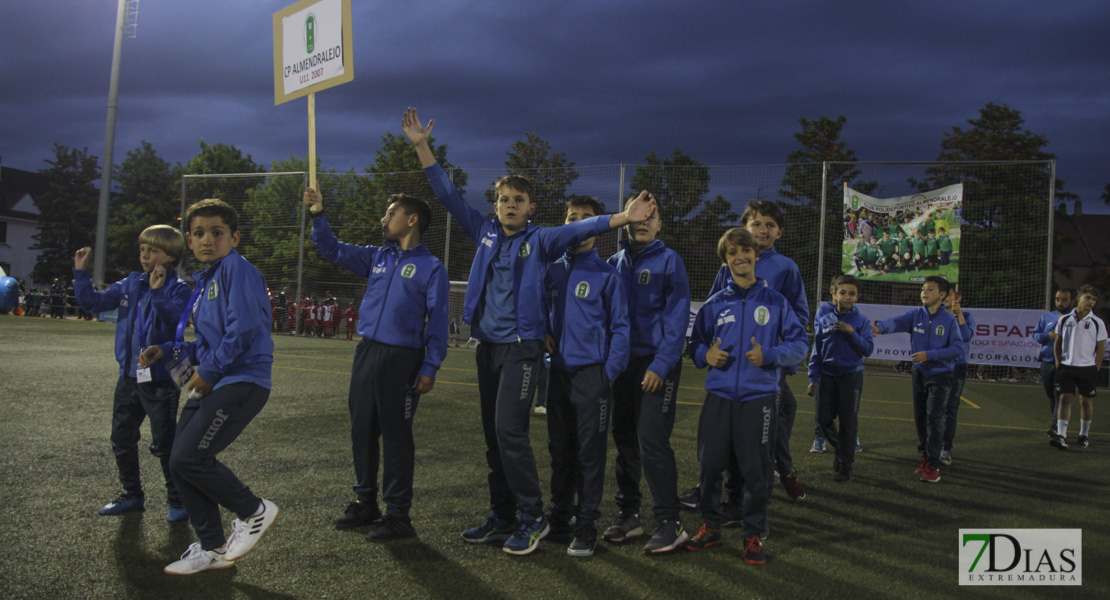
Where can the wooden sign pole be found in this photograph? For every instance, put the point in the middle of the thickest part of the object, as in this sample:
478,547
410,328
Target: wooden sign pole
312,140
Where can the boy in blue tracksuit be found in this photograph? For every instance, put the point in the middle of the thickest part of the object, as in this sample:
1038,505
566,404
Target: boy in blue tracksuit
232,356
589,339
842,340
745,333
403,324
644,395
1045,334
506,307
150,303
935,343
765,221
959,373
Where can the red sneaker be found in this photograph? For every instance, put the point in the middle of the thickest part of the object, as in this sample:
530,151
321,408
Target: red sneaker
930,474
793,488
921,466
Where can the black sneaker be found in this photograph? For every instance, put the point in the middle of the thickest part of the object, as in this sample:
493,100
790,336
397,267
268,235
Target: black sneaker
562,530
1083,442
392,528
359,514
125,503
844,474
1051,430
625,527
690,498
1059,441
837,466
753,552
585,540
668,536
706,537
732,514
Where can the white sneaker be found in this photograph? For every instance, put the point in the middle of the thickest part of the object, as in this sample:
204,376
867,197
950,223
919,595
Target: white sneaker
540,410
196,559
245,534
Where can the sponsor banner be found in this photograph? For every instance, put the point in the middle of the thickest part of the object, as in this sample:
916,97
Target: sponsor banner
694,308
1021,557
1002,336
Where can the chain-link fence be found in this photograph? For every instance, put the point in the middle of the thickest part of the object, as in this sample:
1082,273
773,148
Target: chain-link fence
1003,254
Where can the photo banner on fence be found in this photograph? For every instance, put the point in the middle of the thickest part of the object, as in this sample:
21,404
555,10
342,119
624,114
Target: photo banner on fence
903,239
1002,336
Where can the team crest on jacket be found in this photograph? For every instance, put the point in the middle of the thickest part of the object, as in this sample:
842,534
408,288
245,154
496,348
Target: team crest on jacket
213,290
582,290
762,315
940,329
525,250
645,277
408,271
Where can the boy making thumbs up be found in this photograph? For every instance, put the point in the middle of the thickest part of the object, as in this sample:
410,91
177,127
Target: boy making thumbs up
754,333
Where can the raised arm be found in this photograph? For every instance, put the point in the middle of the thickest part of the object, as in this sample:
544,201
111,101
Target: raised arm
418,134
349,256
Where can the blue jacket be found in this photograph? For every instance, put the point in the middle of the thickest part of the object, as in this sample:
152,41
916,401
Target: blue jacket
168,301
407,292
231,320
736,315
589,313
658,302
1045,326
938,335
534,246
967,331
837,353
780,274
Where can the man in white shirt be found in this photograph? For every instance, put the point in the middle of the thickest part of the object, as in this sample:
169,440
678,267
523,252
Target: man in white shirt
1079,347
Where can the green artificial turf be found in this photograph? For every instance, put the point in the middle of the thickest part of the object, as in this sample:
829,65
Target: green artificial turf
885,534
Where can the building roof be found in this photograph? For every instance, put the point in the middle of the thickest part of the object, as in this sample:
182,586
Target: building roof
17,185
1085,241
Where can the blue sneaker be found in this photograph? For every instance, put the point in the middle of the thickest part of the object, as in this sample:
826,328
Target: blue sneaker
527,536
494,529
176,513
818,446
859,447
125,503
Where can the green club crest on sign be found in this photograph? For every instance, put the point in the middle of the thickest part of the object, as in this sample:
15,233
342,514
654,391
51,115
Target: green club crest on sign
762,315
582,290
940,329
525,250
645,277
408,271
855,202
213,290
310,33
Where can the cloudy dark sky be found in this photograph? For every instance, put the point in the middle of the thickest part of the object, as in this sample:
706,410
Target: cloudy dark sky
604,81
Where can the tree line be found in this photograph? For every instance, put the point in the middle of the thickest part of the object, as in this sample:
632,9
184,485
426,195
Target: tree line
148,191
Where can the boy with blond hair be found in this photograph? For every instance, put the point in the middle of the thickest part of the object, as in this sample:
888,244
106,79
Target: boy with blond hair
150,302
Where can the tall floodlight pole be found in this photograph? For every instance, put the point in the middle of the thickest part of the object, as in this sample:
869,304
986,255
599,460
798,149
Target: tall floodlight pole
109,144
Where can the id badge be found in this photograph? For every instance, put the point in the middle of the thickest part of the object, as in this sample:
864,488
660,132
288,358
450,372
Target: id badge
181,370
143,375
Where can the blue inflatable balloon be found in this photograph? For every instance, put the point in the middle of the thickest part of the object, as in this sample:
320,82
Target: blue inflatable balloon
9,294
